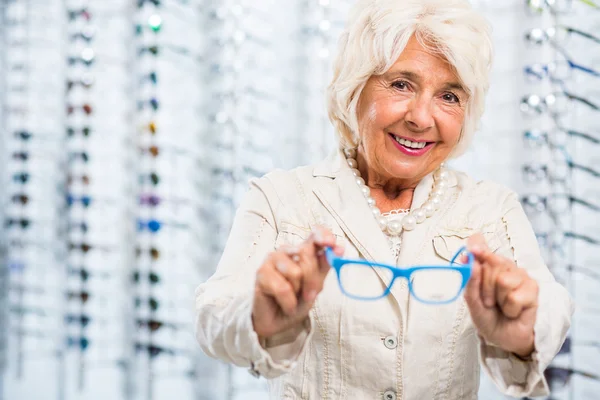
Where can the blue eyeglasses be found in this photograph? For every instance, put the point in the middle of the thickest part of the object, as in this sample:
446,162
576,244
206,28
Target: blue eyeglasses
430,284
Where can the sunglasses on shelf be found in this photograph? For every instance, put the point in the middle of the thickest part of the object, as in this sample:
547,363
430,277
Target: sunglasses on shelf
142,3
86,34
85,60
154,24
80,319
20,198
85,131
86,83
153,103
152,303
151,276
153,325
82,296
154,225
84,274
80,342
153,350
85,247
22,222
153,252
85,108
83,13
151,76
152,177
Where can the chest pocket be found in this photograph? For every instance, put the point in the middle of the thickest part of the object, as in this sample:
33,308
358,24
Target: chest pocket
446,242
293,235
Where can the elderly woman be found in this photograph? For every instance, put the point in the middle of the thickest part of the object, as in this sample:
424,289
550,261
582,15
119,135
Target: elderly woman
407,94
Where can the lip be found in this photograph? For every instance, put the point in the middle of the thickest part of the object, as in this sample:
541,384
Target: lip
411,139
411,152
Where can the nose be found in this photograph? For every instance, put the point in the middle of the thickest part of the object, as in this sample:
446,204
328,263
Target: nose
419,116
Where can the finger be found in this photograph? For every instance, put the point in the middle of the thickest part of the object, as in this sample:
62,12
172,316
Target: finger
473,291
312,276
491,271
272,283
289,269
291,251
520,299
323,237
477,245
506,282
492,265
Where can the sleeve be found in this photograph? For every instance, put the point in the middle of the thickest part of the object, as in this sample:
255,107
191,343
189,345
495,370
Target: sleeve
223,303
512,375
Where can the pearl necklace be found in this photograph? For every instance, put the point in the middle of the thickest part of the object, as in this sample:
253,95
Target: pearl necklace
410,221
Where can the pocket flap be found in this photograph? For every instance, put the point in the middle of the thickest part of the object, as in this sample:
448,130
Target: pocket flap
446,244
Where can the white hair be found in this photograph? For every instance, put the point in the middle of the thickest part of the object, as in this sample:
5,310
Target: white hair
377,32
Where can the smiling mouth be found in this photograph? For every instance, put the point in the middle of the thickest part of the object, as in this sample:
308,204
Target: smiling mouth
413,145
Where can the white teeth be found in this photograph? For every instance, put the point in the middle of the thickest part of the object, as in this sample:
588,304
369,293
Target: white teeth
408,143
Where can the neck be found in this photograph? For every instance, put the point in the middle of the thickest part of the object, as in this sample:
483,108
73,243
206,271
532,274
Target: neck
390,194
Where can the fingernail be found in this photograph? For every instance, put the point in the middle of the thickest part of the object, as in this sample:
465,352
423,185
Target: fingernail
291,250
318,235
281,267
310,296
475,248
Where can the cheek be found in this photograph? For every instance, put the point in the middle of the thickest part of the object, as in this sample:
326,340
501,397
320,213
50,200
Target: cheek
450,126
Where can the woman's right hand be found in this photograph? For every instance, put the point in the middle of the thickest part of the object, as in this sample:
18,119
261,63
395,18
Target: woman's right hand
288,283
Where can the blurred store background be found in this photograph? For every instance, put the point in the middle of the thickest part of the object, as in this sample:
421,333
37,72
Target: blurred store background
129,130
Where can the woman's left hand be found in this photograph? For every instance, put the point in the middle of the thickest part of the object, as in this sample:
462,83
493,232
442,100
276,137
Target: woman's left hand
502,299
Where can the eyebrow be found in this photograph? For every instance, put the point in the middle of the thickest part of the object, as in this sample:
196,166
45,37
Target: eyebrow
417,78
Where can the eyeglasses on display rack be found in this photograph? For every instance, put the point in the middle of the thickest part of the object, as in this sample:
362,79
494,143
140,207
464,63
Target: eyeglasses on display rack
555,204
557,103
555,139
557,241
558,6
557,71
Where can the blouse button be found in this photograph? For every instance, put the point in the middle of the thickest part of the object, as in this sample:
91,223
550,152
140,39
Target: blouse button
389,395
390,342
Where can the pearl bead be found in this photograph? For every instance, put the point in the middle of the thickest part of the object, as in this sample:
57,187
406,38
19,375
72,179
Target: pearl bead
394,227
409,223
376,212
370,201
352,163
355,172
442,184
436,201
419,215
441,174
428,208
365,190
438,192
360,181
382,221
350,153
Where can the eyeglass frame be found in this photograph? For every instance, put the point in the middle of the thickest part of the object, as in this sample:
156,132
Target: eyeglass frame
465,270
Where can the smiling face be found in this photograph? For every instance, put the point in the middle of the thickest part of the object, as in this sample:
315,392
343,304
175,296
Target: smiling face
409,118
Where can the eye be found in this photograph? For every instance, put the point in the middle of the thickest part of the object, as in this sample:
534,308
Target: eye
450,98
402,85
